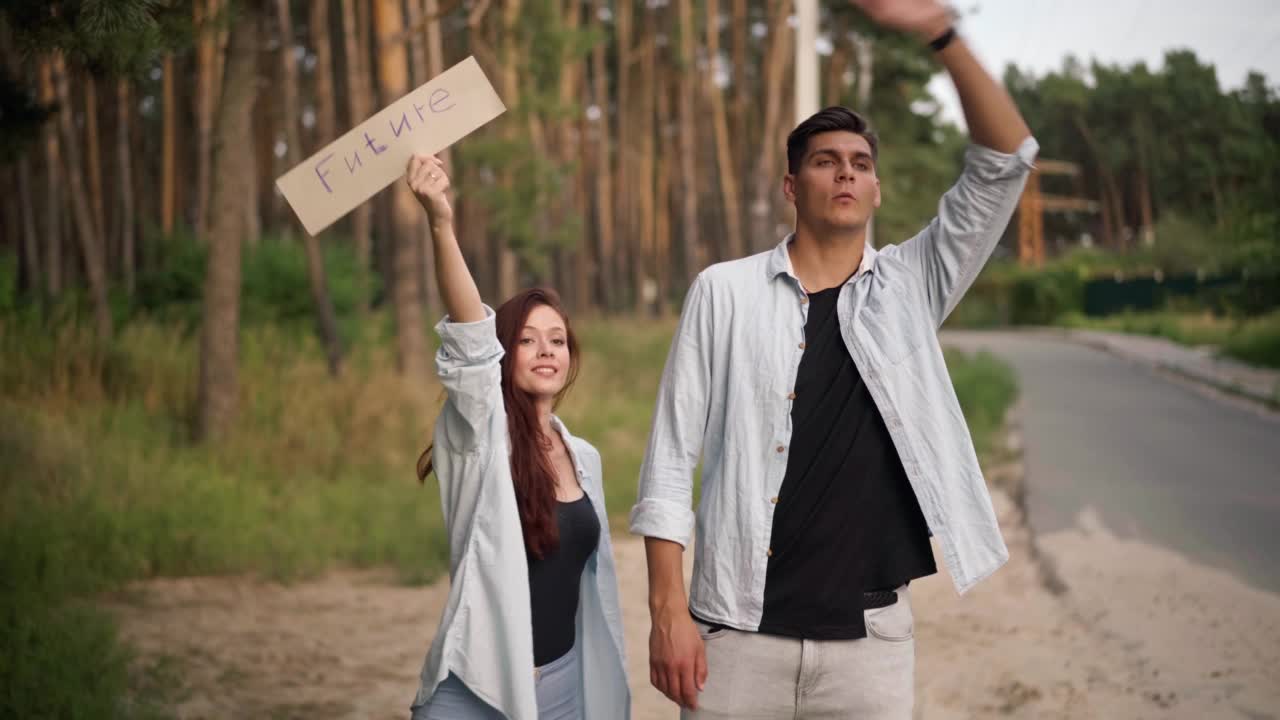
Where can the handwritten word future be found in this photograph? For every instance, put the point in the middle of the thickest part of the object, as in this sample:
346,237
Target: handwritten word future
396,126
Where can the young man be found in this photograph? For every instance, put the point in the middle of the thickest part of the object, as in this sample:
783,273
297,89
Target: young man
810,381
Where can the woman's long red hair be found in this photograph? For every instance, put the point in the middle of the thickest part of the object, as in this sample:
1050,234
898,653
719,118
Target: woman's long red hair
532,473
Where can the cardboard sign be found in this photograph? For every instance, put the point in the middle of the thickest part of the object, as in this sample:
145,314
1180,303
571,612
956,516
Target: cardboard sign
374,154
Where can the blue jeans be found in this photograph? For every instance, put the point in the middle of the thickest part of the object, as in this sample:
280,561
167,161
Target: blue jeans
557,685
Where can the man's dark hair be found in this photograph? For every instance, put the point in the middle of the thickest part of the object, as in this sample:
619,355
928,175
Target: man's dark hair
832,118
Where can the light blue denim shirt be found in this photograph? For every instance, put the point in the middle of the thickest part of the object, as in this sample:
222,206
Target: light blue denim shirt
486,632
733,363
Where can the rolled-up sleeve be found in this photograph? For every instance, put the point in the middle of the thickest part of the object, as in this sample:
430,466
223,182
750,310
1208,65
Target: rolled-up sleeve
664,506
972,215
469,366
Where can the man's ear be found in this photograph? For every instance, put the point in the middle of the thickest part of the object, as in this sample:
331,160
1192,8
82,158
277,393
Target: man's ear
877,201
789,187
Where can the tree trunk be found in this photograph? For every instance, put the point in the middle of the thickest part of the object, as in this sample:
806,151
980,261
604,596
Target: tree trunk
217,10
53,187
219,337
643,260
169,152
608,267
94,147
837,66
627,258
864,52
12,223
571,154
1112,215
476,238
474,226
325,319
417,52
508,278
1118,211
204,14
30,236
90,241
1219,202
289,85
727,171
326,115
741,89
393,82
1108,239
689,236
128,220
1144,205
358,110
435,60
253,201
584,269
864,48
766,180
662,260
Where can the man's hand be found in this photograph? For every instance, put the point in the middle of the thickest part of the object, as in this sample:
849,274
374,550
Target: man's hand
925,18
677,657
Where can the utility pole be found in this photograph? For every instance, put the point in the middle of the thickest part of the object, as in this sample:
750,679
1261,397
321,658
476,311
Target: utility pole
862,52
806,59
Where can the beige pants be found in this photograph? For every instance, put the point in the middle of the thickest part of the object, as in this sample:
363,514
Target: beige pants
751,676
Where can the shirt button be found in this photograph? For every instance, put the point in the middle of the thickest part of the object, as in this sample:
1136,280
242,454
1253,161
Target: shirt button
781,448
791,396
801,346
770,552
774,499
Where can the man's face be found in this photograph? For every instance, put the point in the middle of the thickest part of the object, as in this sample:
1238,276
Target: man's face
835,188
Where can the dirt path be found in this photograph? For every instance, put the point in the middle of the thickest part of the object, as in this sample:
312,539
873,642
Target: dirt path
1141,633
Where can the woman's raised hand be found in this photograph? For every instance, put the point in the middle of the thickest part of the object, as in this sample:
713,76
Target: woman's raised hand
430,184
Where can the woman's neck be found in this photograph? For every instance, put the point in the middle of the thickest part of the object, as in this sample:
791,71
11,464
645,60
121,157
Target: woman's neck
543,408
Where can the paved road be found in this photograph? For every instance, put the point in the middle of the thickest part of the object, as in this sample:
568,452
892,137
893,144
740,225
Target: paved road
1155,459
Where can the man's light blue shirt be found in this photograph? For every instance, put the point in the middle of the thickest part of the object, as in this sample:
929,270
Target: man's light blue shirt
733,362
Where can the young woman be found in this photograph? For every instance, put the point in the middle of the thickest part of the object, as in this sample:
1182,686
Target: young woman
532,629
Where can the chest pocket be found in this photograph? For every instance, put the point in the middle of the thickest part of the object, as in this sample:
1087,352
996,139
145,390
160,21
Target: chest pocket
894,319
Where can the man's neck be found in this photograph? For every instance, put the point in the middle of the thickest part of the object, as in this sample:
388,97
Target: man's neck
825,260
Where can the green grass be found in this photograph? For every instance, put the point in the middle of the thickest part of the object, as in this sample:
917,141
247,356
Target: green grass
612,404
103,484
1253,340
66,661
1257,341
986,388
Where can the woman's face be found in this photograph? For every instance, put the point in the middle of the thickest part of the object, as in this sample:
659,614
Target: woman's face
541,357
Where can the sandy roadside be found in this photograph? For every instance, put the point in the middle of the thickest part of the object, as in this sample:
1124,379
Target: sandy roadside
1138,632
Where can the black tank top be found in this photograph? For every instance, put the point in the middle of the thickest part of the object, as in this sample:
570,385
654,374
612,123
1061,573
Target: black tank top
555,580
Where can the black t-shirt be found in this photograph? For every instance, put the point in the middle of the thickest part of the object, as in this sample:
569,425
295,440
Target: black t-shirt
555,580
847,520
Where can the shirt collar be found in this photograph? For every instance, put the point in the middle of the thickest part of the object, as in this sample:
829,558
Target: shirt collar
780,260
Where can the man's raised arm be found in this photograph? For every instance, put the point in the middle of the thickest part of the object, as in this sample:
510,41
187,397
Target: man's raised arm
972,215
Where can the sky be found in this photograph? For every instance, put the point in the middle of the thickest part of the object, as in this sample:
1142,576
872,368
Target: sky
1234,35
